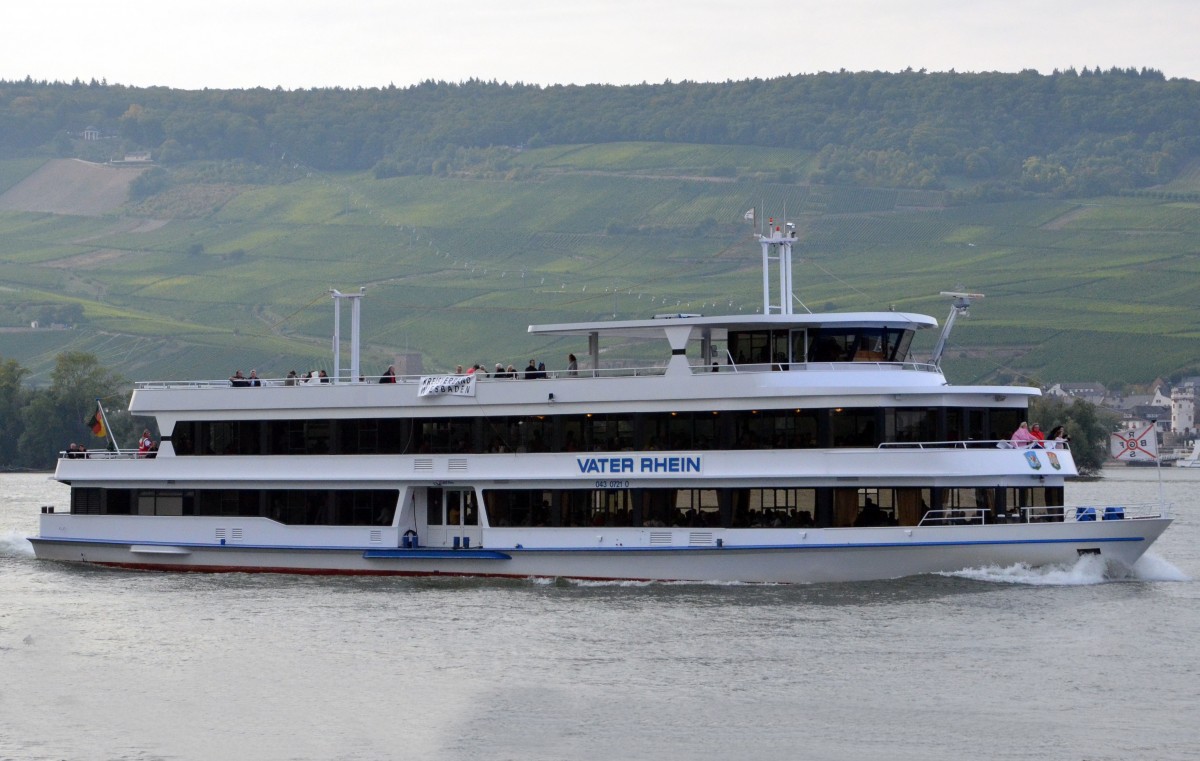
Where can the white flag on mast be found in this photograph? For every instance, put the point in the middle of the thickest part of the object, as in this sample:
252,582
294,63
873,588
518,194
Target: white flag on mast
1137,444
749,215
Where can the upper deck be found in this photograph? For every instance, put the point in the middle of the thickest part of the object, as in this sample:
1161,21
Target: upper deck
776,358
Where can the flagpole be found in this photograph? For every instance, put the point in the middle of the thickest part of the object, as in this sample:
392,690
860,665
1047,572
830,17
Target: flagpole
1162,502
111,436
1127,446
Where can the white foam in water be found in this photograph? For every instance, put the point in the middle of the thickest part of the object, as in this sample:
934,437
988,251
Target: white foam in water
607,583
1089,569
1151,567
14,543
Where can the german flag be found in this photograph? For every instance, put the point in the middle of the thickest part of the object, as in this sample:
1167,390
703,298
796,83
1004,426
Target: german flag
96,422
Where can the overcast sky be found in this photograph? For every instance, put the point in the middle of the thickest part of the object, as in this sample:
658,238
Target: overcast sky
370,43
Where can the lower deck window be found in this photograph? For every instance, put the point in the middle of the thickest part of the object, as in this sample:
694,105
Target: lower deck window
316,507
783,507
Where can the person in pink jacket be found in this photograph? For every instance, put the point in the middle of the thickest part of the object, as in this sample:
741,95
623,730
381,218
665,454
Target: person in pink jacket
1022,438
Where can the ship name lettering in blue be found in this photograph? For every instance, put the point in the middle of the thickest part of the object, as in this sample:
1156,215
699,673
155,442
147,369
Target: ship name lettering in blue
664,464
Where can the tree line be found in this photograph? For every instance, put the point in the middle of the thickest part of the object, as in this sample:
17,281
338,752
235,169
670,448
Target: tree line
38,423
1069,133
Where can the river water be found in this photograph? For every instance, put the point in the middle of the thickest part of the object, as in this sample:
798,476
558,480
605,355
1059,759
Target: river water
991,663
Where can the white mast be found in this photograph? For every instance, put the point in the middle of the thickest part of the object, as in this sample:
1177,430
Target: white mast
355,311
777,246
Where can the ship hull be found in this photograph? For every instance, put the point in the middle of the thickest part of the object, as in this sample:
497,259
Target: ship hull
820,555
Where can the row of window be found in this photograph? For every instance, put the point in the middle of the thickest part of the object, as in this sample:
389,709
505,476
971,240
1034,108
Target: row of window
739,429
312,507
832,344
756,507
631,507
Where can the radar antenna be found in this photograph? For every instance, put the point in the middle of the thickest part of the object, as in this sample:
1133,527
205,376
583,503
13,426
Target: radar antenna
960,306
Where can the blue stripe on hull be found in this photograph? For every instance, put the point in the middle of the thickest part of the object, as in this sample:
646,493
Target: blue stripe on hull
506,553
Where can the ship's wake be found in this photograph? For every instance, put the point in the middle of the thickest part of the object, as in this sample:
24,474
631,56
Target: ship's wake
14,544
1087,570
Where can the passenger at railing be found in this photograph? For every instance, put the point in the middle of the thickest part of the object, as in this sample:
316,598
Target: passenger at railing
458,370
474,369
499,373
572,366
324,378
291,379
146,446
1022,438
1058,438
511,372
531,372
1039,437
253,380
75,451
237,380
389,375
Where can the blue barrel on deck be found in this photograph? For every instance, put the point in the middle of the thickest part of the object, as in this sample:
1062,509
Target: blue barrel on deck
1085,513
1114,513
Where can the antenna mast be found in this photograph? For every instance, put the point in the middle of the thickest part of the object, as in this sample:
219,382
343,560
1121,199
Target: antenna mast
777,246
961,305
355,312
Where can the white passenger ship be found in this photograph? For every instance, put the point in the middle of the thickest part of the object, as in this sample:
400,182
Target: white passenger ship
775,447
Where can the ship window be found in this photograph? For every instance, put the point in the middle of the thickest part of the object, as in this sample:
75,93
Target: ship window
609,433
914,424
858,345
762,347
854,427
352,507
85,501
1005,421
433,507
799,345
160,502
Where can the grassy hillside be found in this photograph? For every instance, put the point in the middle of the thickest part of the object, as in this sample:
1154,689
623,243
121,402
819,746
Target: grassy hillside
457,267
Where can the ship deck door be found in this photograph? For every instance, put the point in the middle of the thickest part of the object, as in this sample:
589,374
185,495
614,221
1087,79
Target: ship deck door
451,518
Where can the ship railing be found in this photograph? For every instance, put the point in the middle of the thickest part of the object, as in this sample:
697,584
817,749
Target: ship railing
766,367
106,454
605,372
970,444
1087,513
977,516
958,516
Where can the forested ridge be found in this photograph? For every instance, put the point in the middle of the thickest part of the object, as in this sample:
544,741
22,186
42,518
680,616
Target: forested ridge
981,135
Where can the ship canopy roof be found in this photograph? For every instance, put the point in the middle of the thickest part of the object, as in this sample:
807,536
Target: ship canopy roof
717,327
